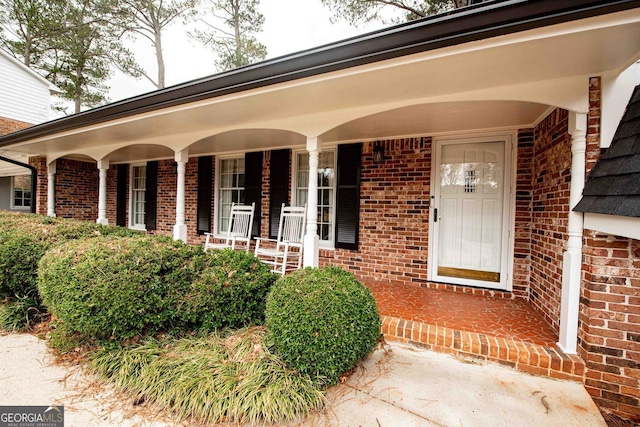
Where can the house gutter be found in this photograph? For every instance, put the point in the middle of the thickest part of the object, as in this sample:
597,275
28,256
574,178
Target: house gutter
478,22
34,179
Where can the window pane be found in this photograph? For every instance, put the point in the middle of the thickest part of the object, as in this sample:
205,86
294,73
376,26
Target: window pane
230,189
22,191
326,182
139,195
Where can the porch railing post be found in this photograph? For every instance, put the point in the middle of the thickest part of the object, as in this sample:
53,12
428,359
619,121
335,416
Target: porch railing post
51,189
103,167
311,239
180,228
572,259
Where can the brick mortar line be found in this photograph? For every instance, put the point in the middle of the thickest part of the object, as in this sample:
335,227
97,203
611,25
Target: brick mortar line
437,341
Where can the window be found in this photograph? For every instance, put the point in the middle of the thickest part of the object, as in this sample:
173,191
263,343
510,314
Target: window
138,196
231,189
326,191
22,191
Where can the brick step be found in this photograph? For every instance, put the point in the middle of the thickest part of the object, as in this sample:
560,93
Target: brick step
526,357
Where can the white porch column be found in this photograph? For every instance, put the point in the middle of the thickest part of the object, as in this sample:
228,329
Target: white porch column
311,239
51,189
572,260
180,229
103,167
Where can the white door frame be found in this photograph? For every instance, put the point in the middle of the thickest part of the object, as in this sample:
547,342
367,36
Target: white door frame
508,208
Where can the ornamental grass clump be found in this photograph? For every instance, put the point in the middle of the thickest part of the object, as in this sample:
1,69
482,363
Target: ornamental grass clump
215,378
321,321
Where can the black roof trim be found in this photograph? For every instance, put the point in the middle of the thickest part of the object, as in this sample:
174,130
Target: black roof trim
494,18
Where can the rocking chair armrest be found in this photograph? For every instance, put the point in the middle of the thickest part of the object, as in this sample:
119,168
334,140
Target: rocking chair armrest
261,239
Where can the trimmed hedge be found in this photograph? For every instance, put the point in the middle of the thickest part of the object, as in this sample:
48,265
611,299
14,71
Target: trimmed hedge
321,321
229,290
117,288
24,239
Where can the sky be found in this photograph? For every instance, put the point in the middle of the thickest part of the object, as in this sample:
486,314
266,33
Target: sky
290,26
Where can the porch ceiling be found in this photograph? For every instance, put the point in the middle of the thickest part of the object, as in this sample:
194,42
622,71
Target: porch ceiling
497,82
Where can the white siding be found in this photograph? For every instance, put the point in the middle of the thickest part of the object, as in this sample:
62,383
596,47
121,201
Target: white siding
24,96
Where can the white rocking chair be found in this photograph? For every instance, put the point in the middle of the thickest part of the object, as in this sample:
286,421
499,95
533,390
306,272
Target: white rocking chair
286,253
240,225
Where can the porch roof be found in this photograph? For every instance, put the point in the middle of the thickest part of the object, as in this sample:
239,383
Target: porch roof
613,186
447,70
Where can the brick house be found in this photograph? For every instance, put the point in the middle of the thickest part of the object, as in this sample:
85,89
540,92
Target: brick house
24,101
449,151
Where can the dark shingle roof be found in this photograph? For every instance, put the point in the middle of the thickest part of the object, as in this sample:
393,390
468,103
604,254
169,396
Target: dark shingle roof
613,186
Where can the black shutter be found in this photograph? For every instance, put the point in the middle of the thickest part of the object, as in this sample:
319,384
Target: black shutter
348,196
205,191
279,188
151,196
253,186
121,195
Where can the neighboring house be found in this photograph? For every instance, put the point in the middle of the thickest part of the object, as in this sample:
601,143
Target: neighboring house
448,151
24,101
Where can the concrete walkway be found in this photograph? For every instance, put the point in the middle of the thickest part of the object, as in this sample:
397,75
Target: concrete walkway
397,386
406,386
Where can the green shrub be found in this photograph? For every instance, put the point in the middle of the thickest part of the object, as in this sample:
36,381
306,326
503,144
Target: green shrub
321,321
230,290
24,239
115,287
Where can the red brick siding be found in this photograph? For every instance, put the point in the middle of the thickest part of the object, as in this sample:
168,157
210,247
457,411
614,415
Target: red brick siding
593,123
10,125
524,200
76,189
551,182
394,215
40,163
112,192
166,208
609,336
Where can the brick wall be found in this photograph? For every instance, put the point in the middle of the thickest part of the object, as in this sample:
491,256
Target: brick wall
40,163
524,201
76,189
593,123
394,215
112,186
10,125
550,201
609,328
166,212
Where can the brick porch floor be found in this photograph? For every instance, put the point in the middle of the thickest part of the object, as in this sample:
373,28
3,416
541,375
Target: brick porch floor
472,323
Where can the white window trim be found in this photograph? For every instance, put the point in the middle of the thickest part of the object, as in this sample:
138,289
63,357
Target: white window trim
13,199
324,244
216,190
133,226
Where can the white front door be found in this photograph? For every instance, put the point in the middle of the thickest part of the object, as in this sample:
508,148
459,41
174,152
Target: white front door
470,212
